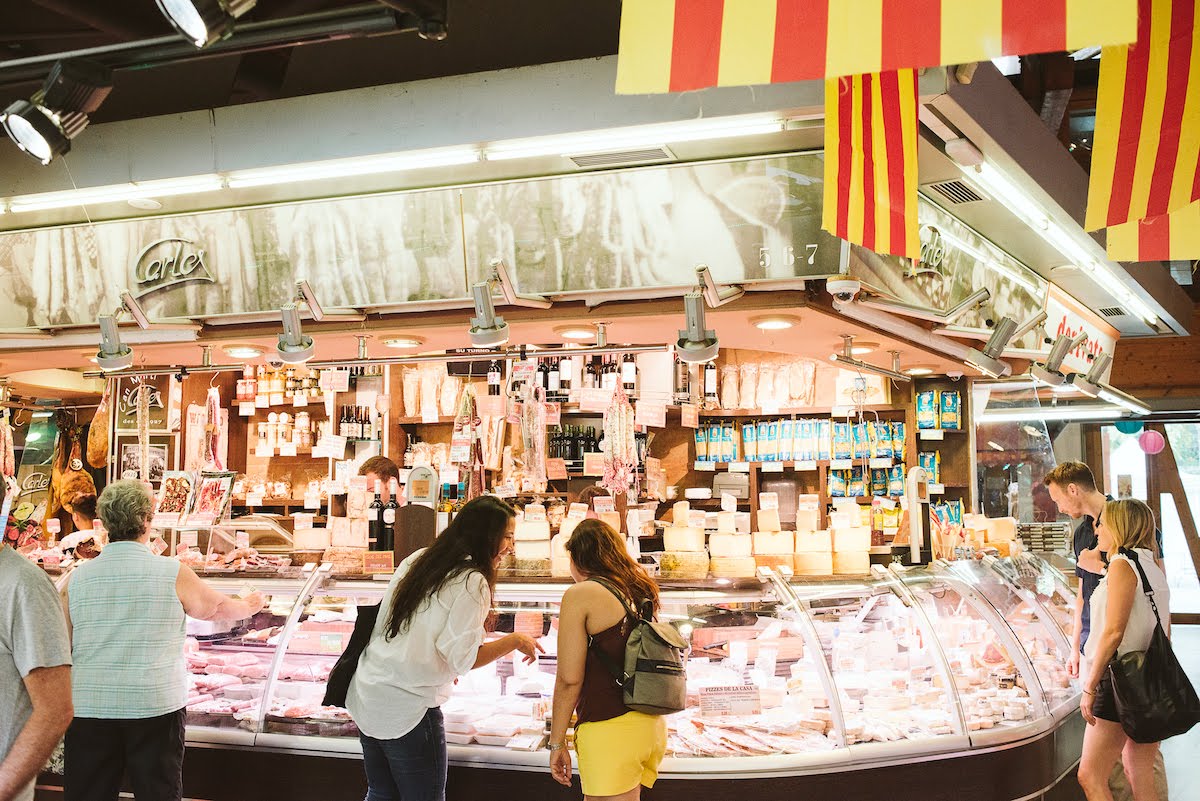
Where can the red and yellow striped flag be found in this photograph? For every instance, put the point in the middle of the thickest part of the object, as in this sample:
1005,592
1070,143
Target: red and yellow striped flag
871,161
1174,236
679,45
1146,156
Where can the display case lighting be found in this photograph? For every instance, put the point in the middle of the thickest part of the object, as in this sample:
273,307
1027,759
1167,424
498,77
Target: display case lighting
345,168
115,193
576,332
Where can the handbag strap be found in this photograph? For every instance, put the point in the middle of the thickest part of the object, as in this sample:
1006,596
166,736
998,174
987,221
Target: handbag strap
1132,556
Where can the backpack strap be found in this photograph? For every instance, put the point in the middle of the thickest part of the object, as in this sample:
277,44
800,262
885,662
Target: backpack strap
608,585
1132,556
618,673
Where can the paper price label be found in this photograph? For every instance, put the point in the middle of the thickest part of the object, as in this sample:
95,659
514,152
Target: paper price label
276,398
556,469
689,414
379,562
242,539
577,511
651,415
335,380
770,408
523,371
881,463
739,467
697,518
931,434
772,467
841,464
593,464
592,399
553,413
535,512
189,538
254,498
246,409
263,452
300,400
768,500
604,503
720,701
705,467
841,411
312,500
262,401
805,466
885,503
287,449
937,489
158,545
429,415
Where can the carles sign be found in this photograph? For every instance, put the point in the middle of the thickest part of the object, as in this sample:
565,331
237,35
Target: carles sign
1067,317
167,263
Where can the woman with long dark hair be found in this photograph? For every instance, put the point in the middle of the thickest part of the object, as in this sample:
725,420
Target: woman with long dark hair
619,750
430,631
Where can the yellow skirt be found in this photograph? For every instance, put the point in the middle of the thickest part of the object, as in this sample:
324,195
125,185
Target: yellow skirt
618,754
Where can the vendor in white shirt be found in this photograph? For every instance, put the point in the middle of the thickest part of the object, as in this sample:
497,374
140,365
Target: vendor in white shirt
85,541
430,632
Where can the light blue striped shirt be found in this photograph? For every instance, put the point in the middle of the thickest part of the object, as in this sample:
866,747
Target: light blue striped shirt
128,629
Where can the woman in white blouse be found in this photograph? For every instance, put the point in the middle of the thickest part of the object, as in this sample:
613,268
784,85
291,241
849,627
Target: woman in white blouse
1122,621
430,631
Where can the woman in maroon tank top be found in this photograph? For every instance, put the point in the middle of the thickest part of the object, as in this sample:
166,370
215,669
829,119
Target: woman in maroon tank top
618,750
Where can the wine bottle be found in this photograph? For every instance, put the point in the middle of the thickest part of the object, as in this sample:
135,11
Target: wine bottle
543,375
629,374
375,532
389,517
494,377
682,379
566,370
553,379
590,375
710,382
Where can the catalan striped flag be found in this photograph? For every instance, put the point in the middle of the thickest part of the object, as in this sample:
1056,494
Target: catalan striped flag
1146,155
679,45
871,161
1174,236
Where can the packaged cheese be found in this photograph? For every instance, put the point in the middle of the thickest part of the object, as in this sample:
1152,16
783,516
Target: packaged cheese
774,542
723,545
814,542
684,564
733,566
683,538
851,562
679,513
813,564
847,540
532,530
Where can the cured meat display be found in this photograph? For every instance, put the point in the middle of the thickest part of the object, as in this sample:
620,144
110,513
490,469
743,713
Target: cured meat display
97,442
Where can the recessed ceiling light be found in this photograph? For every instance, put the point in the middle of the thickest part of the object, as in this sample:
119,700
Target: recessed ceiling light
919,370
403,342
863,348
774,322
242,351
576,332
144,203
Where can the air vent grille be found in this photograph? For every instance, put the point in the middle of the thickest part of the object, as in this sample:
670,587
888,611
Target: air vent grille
1113,311
957,192
648,155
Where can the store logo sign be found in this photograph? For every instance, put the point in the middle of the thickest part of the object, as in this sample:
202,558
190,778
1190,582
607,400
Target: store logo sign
933,254
35,482
167,263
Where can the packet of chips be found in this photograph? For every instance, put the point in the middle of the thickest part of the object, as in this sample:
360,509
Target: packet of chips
843,441
896,481
862,445
928,409
837,483
824,438
949,410
858,485
879,481
787,427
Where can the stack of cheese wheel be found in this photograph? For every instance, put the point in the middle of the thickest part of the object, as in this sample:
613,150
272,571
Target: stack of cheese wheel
1000,534
684,555
533,542
808,512
560,560
814,553
852,550
773,547
731,551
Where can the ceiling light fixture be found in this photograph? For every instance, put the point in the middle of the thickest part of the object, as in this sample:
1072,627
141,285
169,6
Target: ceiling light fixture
863,348
508,290
994,264
846,359
115,354
972,301
203,22
1093,386
293,347
488,330
44,125
116,192
634,137
243,352
342,168
1049,372
696,344
919,371
987,360
576,332
774,322
714,294
403,342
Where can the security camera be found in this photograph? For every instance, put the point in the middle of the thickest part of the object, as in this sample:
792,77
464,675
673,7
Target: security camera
275,364
843,290
954,375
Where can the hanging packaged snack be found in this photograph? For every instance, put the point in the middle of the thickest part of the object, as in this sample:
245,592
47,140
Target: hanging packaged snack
787,428
729,443
701,437
897,440
824,439
950,410
766,447
843,441
928,409
896,481
862,446
750,440
931,461
857,487
879,481
837,483
805,449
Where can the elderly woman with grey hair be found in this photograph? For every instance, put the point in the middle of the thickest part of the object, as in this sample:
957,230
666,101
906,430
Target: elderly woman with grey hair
126,613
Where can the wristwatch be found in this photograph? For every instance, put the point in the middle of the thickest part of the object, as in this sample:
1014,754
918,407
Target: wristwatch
556,746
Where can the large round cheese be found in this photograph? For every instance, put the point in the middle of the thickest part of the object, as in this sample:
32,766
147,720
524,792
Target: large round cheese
532,549
683,538
814,542
851,562
774,542
733,566
813,564
684,564
730,545
532,530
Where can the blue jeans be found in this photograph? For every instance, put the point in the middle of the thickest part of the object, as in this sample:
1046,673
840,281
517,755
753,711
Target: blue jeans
408,768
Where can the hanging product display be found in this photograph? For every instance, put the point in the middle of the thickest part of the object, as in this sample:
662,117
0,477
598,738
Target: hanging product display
97,444
213,458
143,430
620,446
532,411
8,461
68,478
466,447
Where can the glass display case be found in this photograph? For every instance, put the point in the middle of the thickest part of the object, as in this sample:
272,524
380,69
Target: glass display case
783,675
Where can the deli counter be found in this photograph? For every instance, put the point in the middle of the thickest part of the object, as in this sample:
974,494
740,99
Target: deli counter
794,686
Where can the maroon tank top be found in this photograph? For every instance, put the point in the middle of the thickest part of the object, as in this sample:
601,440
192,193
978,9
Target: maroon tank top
600,697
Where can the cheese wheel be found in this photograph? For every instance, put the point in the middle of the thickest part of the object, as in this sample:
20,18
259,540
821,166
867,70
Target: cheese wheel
683,538
855,539
613,519
851,562
733,566
533,567
727,522
773,560
813,564
722,545
560,567
532,530
768,520
312,539
684,564
774,542
558,546
679,512
532,549
814,542
568,525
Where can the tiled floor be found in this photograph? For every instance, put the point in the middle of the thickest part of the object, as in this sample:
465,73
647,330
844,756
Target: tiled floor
1180,753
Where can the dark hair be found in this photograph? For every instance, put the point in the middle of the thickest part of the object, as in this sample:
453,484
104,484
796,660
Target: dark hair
598,550
381,466
1067,473
594,491
84,505
470,542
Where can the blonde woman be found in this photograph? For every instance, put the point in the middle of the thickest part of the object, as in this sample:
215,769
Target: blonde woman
1122,621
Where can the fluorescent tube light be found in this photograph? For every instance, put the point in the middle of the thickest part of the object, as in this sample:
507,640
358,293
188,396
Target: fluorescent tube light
1121,399
342,168
1018,415
116,192
633,137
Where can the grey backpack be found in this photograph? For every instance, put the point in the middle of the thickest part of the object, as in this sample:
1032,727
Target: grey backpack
653,677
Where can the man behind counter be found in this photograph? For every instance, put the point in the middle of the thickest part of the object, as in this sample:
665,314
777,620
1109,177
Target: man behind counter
383,470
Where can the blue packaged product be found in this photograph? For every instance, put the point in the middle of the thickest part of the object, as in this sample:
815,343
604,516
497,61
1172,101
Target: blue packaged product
879,435
930,461
824,439
897,440
837,483
787,428
843,441
896,481
927,409
766,446
750,441
858,484
806,441
701,444
879,481
950,416
862,446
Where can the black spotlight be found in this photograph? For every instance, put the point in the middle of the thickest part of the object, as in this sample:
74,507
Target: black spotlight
44,125
203,22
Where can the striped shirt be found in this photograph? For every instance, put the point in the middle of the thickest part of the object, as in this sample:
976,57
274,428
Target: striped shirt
128,629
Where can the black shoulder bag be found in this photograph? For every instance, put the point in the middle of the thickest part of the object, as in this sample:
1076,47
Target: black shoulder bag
1154,698
343,670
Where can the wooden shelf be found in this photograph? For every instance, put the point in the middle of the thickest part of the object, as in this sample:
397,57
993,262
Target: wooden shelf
788,412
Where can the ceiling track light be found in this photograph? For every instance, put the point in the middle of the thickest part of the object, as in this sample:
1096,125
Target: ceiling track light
203,22
696,344
294,346
972,301
44,125
987,360
115,354
846,359
714,294
1093,386
509,290
488,330
1048,372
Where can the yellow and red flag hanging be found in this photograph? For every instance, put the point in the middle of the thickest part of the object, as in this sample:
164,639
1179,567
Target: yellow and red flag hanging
871,161
1146,155
680,45
1163,238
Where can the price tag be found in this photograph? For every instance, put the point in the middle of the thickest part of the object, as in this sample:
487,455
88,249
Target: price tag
768,500
651,415
287,449
931,434
264,452
312,500
335,380
189,538
242,539
739,467
330,446
593,464
696,518
841,464
937,489
772,467
806,465
577,511
262,401
841,411
553,413
535,512
881,463
524,371
158,545
254,499
303,520
770,408
246,409
604,504
276,398
513,413
705,467
592,399
556,469
429,414
885,503
300,399
728,502
690,415
490,405
375,562
460,447
721,701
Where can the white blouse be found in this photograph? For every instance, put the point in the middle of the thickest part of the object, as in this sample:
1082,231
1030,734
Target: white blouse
398,680
1140,627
